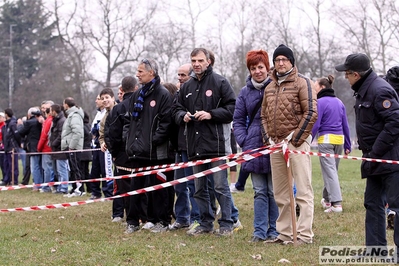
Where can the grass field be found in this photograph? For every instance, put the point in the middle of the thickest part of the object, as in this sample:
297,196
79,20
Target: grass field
84,235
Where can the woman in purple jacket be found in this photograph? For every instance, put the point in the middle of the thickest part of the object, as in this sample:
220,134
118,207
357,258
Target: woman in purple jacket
333,137
248,136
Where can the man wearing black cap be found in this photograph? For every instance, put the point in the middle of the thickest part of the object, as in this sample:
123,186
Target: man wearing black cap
289,110
377,120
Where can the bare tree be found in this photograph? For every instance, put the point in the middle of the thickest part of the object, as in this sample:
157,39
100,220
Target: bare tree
116,30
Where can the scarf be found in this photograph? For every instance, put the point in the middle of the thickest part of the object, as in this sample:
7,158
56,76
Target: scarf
138,105
325,92
259,85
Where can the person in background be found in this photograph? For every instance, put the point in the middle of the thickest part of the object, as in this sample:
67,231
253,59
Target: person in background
116,145
2,124
60,160
71,141
32,129
86,156
186,208
120,94
98,162
43,146
288,116
248,105
392,77
332,130
108,99
11,142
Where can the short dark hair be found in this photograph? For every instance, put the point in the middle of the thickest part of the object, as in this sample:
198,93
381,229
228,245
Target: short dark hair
9,112
129,83
69,101
196,51
170,87
108,91
56,108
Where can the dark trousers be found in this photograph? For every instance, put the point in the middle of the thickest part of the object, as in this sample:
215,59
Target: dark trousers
98,171
121,186
381,189
2,162
26,178
76,172
9,168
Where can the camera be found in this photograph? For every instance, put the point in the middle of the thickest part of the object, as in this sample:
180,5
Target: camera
193,117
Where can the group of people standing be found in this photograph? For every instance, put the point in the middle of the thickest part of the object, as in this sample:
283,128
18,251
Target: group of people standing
158,123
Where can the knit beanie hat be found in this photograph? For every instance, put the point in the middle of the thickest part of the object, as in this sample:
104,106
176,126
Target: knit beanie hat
287,52
393,77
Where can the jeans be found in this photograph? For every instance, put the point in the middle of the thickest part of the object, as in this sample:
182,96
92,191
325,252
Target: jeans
22,156
381,189
223,196
185,194
48,173
61,168
36,169
265,207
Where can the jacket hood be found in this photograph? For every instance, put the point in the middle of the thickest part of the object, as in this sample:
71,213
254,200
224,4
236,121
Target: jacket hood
75,109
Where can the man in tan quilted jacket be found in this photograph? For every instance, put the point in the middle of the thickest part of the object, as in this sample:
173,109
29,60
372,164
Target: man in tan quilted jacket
289,110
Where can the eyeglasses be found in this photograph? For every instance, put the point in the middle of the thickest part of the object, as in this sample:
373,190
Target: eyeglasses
347,73
278,60
145,61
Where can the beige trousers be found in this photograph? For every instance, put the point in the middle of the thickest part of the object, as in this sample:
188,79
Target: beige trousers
301,169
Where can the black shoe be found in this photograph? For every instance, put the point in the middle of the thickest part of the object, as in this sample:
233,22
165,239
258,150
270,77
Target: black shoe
3,183
255,239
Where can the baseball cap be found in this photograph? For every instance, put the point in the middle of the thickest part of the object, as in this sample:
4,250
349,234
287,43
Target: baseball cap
356,62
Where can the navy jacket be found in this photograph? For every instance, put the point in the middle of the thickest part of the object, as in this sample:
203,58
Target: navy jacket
11,140
250,137
377,120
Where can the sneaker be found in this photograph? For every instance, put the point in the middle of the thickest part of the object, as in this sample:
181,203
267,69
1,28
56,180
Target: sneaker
193,225
148,226
233,189
131,228
256,239
237,226
176,226
298,242
199,230
94,197
325,204
159,228
224,232
390,220
271,238
335,208
117,219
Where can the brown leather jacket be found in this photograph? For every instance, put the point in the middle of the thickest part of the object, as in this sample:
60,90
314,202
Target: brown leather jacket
289,107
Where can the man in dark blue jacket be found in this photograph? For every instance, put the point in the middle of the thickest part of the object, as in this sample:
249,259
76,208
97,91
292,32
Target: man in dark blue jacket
205,107
377,120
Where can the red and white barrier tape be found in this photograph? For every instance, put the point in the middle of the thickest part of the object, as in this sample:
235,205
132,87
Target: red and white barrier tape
151,170
246,157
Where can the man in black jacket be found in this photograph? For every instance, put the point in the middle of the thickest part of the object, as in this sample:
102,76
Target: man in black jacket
205,107
377,119
116,146
147,143
32,129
